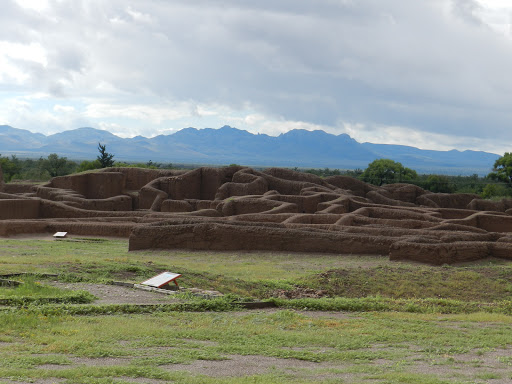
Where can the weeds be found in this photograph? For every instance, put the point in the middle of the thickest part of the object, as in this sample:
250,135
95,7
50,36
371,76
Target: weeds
32,292
390,318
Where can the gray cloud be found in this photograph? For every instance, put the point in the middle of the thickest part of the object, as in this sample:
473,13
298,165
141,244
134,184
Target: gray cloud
432,66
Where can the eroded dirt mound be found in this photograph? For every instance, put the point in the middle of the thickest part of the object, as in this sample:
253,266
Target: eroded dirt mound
238,208
299,293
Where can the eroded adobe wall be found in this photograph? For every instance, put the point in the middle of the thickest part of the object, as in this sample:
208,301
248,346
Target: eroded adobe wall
487,205
354,186
104,185
230,236
21,227
439,253
266,209
19,209
76,183
244,182
136,178
199,184
237,208
2,184
111,204
93,185
75,227
186,186
213,178
447,200
19,188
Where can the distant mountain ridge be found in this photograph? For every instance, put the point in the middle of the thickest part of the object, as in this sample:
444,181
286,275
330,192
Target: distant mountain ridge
227,145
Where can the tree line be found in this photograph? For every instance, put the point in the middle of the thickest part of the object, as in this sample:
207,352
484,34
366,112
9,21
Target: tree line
43,169
498,183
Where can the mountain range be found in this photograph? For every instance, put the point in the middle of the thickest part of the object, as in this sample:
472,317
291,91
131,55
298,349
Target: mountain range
227,145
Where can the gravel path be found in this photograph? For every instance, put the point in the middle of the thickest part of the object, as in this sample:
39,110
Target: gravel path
114,294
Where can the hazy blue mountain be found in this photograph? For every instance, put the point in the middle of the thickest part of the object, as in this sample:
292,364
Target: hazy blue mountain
19,139
227,145
79,141
452,162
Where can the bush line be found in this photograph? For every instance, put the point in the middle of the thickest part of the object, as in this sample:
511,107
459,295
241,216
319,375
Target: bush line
112,309
367,304
381,304
81,298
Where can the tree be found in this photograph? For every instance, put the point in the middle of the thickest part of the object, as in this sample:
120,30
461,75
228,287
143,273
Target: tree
502,170
386,171
58,166
495,190
105,158
10,167
88,165
439,183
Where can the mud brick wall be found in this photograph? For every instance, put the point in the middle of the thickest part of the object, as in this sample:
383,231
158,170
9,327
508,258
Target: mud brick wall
239,208
19,209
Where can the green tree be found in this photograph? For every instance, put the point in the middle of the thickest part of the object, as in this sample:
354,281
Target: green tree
89,165
11,167
356,173
386,171
495,190
439,183
502,170
58,166
105,158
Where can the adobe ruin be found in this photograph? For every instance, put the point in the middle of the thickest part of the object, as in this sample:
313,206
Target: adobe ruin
239,208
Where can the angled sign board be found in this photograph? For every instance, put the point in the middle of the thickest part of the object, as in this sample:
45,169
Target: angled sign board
162,279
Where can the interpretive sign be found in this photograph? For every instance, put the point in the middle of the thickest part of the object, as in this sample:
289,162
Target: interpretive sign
162,279
60,235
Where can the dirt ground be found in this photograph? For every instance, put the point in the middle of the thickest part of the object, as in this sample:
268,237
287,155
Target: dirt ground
113,294
492,367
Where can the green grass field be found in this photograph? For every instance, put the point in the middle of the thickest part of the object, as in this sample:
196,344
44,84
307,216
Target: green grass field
339,319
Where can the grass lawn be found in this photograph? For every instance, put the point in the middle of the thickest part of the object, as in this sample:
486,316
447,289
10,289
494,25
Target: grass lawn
375,321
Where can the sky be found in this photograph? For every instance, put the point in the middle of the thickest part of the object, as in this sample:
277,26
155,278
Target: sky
434,74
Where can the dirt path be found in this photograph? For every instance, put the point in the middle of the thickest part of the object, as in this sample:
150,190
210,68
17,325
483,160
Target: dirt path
493,366
463,368
113,294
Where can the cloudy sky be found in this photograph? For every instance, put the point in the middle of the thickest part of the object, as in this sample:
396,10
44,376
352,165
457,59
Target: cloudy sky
433,74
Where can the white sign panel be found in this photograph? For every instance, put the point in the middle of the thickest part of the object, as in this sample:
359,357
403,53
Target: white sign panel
60,234
161,279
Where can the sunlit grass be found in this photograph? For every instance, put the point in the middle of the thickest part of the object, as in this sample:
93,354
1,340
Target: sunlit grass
31,291
144,343
53,256
271,334
395,320
259,274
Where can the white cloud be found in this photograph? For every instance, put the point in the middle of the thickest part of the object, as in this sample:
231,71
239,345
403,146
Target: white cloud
417,72
152,114
139,16
64,108
12,54
40,114
36,5
28,52
497,14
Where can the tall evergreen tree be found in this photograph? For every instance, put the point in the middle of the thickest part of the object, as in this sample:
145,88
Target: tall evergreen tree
105,158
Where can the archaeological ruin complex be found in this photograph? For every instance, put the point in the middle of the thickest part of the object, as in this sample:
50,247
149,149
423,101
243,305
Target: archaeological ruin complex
238,208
